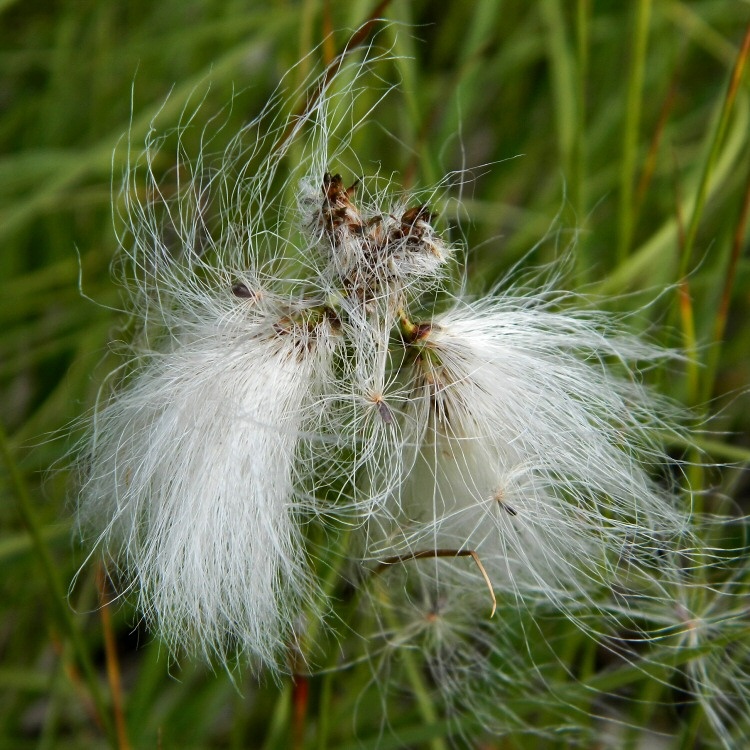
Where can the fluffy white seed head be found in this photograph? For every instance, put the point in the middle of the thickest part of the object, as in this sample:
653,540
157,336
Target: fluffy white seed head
533,453
257,394
201,470
192,478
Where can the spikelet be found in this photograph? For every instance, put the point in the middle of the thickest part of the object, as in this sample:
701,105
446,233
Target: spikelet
533,449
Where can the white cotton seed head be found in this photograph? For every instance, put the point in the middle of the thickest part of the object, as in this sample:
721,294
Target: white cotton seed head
284,376
192,477
533,453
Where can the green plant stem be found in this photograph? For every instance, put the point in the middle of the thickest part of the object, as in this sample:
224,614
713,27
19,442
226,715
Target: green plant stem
563,87
324,711
416,680
652,262
717,140
722,314
638,47
58,599
578,166
278,726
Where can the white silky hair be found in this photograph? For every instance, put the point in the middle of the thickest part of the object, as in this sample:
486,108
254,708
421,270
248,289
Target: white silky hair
534,442
194,466
197,474
288,368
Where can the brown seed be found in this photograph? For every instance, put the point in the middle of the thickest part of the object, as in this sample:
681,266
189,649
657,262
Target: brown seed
241,290
384,411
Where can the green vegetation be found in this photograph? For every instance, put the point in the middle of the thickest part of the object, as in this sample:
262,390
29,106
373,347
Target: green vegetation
617,134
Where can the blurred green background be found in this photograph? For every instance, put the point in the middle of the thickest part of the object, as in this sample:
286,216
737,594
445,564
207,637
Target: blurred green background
618,124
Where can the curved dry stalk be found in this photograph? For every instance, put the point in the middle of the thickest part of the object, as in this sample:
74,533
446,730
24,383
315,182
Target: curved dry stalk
435,553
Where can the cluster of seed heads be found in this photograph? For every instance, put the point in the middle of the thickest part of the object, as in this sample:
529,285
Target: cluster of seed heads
261,400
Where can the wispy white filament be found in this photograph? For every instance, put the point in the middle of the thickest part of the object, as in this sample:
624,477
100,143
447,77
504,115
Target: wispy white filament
533,449
294,368
194,463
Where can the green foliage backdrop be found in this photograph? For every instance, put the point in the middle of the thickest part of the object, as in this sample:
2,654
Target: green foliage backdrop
620,129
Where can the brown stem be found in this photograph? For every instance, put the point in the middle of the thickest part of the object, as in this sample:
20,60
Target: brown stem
113,663
300,699
435,553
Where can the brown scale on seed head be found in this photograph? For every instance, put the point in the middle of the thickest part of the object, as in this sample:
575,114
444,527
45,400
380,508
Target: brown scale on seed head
416,229
414,220
303,335
305,328
339,211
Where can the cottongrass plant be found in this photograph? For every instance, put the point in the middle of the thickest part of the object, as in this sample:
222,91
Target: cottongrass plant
308,400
